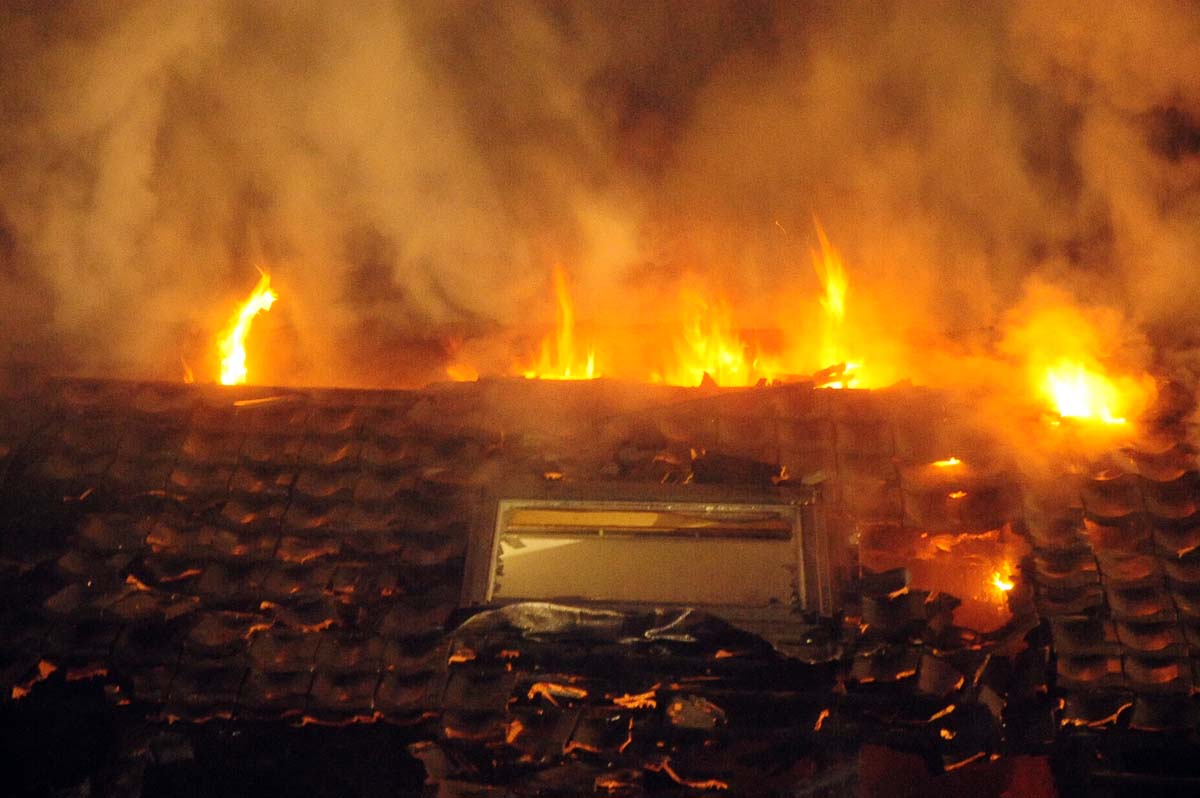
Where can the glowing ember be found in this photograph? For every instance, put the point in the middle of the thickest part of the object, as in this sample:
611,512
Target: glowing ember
1083,394
232,344
559,359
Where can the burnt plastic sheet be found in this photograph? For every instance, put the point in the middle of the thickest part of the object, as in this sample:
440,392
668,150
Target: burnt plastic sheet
540,620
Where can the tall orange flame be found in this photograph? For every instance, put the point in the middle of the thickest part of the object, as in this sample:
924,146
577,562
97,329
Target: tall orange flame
832,272
710,345
232,343
559,359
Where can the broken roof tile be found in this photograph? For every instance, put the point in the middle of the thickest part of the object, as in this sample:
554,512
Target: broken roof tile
1159,674
217,634
1167,712
1150,603
1090,672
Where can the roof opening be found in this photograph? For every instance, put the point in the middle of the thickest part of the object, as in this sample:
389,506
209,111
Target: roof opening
669,552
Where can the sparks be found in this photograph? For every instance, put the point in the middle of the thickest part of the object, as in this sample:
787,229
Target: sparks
232,344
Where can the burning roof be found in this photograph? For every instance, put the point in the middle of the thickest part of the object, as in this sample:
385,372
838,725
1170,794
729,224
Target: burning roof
248,554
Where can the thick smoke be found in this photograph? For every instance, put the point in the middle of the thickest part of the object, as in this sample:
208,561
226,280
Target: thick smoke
410,172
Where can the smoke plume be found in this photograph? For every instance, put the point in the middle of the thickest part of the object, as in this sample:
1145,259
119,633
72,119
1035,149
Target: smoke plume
411,172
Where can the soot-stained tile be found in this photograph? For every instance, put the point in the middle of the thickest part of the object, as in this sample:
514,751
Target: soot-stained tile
271,450
82,641
283,418
204,688
1085,635
259,513
342,693
1154,638
400,695
196,482
326,516
1052,601
218,634
1169,712
1065,568
342,654
1090,672
292,582
318,485
336,421
111,533
280,649
211,447
330,453
305,548
1140,604
272,481
1158,674
270,695
1130,570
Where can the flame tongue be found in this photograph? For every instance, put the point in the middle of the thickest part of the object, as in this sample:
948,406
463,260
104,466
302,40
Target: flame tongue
710,345
832,272
559,360
232,343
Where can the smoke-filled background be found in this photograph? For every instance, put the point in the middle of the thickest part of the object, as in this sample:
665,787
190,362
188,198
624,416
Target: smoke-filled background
410,172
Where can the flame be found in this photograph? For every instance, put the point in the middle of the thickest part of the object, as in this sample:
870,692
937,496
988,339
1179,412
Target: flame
232,343
958,494
710,345
1077,392
1002,583
832,271
1080,360
188,376
559,359
949,462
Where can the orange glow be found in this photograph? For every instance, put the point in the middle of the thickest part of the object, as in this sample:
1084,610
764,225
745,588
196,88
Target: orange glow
710,345
949,462
958,494
462,372
1080,360
232,343
560,359
969,565
1077,392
